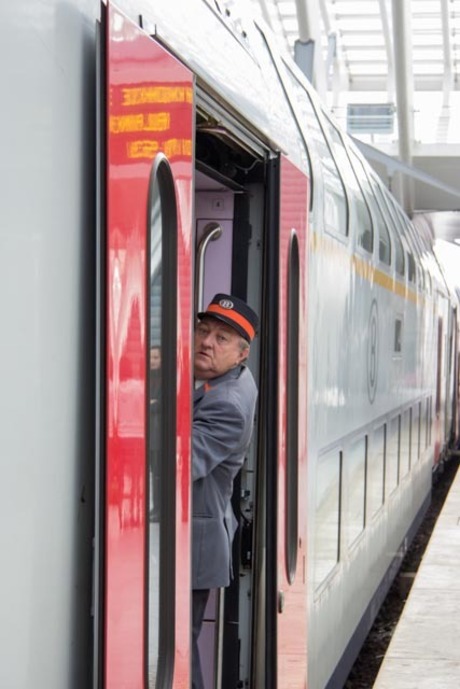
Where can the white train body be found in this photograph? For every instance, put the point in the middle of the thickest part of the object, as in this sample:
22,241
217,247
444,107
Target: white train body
380,380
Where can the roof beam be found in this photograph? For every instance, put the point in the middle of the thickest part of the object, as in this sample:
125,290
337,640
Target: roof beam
308,19
392,166
389,50
447,51
340,79
404,93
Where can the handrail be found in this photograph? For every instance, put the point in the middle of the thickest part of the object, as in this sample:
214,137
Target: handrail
211,232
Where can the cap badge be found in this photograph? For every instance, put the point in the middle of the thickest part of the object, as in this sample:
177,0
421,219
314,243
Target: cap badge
226,304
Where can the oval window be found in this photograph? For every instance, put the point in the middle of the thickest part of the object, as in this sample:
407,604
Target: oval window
161,423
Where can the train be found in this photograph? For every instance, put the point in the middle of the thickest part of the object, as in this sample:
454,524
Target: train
156,153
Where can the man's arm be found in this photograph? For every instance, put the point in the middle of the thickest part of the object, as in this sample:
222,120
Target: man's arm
218,427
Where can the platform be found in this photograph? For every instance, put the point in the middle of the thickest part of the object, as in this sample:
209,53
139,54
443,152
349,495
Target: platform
424,652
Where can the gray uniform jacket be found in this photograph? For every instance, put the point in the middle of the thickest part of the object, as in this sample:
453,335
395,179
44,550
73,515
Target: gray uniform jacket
223,419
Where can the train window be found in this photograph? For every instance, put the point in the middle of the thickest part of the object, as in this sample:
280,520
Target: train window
375,470
428,417
415,432
392,455
428,282
399,255
417,247
335,204
304,111
405,450
311,125
439,365
397,349
399,250
384,235
366,228
327,514
421,278
161,417
292,412
359,212
423,429
354,472
352,189
431,421
410,267
408,240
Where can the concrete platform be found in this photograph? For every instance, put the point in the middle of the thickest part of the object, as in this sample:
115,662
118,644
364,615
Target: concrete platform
424,652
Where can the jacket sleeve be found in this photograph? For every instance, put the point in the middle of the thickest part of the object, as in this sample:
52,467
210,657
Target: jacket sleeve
218,427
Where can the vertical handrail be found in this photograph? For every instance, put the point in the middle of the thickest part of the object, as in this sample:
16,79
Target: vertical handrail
211,232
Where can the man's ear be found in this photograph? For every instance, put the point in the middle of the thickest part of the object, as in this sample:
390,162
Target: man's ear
244,353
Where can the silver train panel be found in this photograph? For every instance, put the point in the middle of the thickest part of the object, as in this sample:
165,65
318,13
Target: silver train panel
47,54
380,351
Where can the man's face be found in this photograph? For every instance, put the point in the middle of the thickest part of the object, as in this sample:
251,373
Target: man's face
217,349
155,358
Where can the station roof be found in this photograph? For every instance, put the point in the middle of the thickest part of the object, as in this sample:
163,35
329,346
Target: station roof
364,33
389,71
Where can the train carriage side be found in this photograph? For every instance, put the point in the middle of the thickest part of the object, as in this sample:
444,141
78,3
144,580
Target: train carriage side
378,366
372,391
339,468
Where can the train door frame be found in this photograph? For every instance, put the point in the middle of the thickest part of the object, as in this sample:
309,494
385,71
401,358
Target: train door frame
291,595
449,430
455,376
438,403
265,663
279,559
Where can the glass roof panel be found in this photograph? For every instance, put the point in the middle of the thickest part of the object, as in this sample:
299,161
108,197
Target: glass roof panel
365,50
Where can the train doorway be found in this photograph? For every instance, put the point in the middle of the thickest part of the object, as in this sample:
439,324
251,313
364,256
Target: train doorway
251,239
230,180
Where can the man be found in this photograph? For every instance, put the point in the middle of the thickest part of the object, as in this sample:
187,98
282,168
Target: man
223,419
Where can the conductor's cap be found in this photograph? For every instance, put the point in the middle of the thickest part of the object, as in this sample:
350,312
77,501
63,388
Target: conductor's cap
234,312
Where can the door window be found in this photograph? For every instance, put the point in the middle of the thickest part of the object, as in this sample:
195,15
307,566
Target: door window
161,405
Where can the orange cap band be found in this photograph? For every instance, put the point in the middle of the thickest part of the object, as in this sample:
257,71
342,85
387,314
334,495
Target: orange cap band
233,316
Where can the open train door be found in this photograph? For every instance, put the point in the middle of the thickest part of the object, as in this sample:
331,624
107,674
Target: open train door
291,488
142,602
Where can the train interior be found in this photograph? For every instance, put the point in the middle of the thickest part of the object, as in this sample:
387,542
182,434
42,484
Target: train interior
229,221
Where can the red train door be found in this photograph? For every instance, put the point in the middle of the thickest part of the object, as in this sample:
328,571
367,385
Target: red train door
148,313
291,625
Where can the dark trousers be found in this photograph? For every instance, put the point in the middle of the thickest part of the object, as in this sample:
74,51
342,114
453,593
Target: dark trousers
199,600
